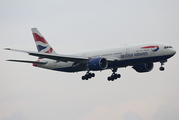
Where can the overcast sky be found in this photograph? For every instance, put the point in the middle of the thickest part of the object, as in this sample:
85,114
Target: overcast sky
29,93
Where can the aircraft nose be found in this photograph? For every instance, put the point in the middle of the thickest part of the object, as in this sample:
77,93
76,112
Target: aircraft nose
173,52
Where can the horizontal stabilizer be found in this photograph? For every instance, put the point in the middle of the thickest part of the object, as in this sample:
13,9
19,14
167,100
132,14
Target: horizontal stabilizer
24,51
28,61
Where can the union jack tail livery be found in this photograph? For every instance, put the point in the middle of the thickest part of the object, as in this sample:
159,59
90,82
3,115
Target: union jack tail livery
41,44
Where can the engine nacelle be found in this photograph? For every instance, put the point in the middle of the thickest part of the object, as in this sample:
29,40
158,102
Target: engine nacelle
146,67
97,63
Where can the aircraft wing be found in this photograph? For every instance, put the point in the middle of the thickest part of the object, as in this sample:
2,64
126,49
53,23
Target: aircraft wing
58,57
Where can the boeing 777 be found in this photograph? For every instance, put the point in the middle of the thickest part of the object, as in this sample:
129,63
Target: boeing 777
140,56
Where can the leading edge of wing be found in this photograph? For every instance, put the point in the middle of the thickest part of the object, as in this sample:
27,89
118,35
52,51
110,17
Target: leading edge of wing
58,57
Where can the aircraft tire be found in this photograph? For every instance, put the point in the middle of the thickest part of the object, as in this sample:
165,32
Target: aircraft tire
115,76
83,77
89,76
118,75
92,74
161,68
112,78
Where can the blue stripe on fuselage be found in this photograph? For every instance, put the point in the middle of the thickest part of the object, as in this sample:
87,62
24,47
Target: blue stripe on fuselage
131,62
155,50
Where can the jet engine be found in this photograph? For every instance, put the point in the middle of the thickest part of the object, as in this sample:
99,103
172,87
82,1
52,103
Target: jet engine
97,64
146,67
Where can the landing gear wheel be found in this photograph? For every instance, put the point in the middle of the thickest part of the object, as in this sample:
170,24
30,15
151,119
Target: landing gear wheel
118,75
162,63
83,77
87,76
110,78
92,75
114,76
161,68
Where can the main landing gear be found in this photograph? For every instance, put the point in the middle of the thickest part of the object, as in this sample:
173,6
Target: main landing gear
114,76
88,75
162,63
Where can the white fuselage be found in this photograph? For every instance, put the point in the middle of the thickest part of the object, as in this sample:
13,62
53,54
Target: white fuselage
122,56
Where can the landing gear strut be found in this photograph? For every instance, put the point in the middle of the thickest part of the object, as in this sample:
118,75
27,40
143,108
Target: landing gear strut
114,75
87,76
162,63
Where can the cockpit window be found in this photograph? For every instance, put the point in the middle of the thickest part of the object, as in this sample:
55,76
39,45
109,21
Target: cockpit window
167,47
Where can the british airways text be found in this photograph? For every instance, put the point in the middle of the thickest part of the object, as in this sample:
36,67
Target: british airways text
134,55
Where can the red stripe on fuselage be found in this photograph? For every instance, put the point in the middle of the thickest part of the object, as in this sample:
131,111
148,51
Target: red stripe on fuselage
151,47
38,38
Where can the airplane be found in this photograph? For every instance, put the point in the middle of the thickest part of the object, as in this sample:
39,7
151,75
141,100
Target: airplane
140,56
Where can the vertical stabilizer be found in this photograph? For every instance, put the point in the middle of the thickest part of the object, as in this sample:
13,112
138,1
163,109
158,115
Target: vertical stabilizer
41,44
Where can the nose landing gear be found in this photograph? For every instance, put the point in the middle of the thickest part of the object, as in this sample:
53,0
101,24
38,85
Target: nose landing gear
162,63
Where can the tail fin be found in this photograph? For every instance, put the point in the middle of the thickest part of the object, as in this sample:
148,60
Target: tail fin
41,44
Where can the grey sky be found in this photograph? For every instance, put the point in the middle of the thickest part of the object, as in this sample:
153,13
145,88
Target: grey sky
32,93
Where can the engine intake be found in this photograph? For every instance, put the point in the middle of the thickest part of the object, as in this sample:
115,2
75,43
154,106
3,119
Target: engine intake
146,67
97,63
